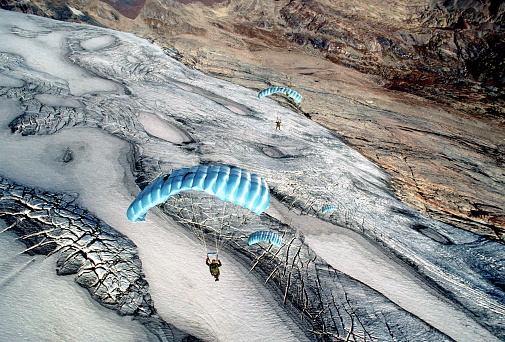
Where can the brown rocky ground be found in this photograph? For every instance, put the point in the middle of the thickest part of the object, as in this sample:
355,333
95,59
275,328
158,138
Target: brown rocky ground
416,86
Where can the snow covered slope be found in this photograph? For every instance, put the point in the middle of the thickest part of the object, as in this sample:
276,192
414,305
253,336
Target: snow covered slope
88,115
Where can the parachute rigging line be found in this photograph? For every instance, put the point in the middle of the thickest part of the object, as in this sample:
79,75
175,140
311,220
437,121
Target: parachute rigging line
183,193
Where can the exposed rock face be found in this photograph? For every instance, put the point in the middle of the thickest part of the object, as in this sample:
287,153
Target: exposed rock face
128,8
58,9
478,27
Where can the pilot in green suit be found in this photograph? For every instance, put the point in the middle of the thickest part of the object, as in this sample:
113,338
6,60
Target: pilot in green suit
214,267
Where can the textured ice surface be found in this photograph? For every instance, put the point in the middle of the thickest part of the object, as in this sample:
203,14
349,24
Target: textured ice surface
52,301
91,112
103,261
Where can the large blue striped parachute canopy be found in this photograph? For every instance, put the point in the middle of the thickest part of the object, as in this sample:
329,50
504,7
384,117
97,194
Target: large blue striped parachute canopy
265,235
272,90
230,184
327,208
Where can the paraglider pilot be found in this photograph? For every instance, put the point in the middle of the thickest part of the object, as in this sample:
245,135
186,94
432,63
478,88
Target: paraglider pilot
214,267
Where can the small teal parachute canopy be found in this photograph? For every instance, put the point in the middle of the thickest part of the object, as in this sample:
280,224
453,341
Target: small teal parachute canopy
327,208
265,235
230,184
272,90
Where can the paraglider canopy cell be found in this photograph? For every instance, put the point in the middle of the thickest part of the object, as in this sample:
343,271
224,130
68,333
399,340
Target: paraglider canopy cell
327,208
289,92
267,236
230,184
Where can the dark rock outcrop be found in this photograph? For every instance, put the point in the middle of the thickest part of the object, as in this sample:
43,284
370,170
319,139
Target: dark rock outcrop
129,8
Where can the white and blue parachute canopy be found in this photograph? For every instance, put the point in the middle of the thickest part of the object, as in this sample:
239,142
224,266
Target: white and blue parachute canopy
230,184
327,208
265,235
272,90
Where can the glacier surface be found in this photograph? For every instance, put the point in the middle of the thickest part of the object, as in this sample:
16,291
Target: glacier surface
90,116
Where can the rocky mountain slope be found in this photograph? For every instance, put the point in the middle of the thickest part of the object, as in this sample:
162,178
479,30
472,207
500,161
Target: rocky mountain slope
92,115
436,67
